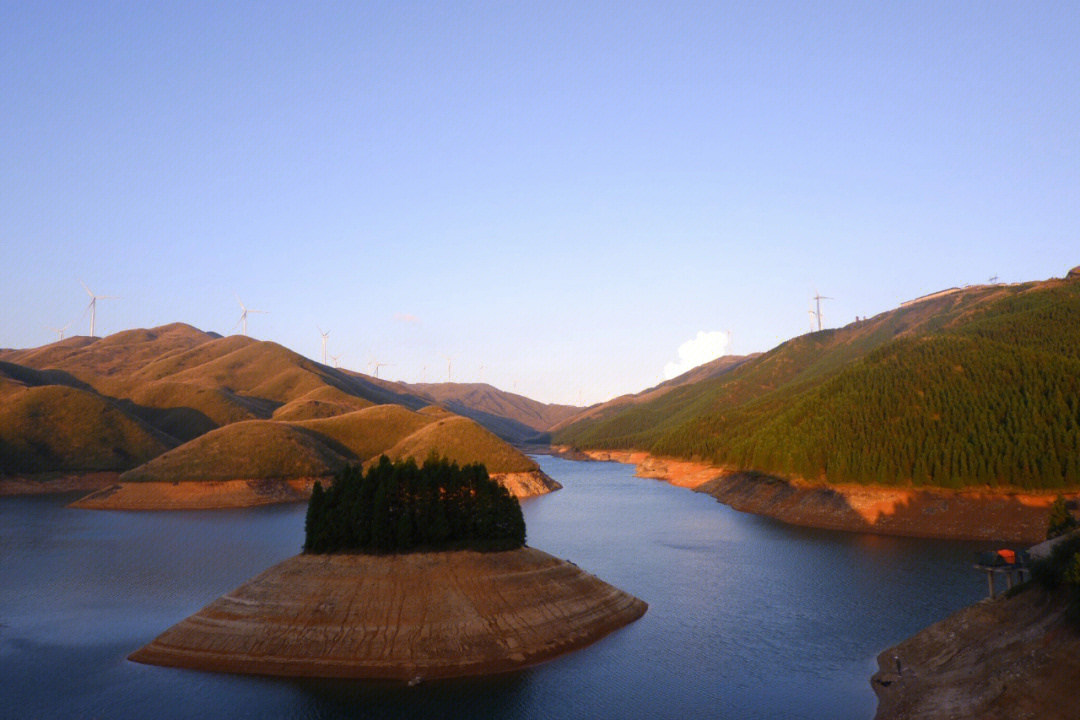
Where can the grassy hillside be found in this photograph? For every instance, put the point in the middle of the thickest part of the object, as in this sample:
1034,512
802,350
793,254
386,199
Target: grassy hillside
366,433
512,417
975,388
56,428
255,449
462,441
323,402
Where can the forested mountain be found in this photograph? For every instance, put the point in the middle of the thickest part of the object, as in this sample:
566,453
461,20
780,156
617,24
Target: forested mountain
977,387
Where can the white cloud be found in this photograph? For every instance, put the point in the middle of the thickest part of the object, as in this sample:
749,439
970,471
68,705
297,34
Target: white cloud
406,318
703,348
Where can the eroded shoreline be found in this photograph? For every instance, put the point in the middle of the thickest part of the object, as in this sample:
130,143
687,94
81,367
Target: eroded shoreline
433,615
922,512
227,494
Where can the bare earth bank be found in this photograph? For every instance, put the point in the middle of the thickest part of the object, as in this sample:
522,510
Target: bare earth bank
221,494
997,660
936,513
56,483
432,615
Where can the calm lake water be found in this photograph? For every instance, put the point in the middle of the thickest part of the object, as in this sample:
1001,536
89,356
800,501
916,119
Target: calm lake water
748,618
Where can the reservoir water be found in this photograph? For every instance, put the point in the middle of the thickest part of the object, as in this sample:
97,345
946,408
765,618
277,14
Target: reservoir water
748,618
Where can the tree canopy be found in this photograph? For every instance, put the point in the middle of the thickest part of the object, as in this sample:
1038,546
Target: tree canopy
402,507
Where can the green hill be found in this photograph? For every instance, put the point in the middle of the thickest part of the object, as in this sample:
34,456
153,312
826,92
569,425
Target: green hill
978,387
256,449
57,428
462,441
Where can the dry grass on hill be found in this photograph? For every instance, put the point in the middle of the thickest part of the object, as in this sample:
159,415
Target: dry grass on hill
53,428
256,449
185,410
462,441
369,432
323,402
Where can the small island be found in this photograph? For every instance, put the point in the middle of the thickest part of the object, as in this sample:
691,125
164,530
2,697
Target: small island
408,571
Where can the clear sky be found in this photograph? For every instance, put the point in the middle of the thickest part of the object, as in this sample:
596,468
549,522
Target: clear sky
565,193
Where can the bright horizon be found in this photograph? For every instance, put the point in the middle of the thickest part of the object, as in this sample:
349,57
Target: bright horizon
580,199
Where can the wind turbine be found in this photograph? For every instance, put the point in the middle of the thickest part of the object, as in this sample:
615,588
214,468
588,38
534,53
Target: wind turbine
423,374
59,331
244,314
378,365
335,358
481,372
818,298
92,307
324,336
449,359
812,316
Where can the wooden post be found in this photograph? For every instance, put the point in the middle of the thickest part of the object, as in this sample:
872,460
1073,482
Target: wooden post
990,578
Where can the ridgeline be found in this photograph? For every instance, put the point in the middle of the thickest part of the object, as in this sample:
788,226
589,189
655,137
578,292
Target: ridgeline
980,387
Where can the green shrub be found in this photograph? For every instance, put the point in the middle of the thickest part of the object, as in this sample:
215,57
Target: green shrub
1061,520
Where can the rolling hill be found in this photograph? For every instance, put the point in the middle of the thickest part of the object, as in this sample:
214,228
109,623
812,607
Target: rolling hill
174,403
975,387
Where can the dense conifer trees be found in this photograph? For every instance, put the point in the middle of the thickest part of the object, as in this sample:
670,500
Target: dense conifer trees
400,507
986,393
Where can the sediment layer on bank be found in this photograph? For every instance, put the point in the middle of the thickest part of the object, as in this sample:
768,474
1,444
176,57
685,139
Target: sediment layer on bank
527,484
45,483
937,513
198,495
996,660
431,615
223,494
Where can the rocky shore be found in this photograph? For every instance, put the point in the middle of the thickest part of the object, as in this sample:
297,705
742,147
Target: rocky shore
429,615
1000,659
936,513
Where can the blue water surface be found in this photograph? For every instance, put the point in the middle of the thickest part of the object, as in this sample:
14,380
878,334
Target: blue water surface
748,617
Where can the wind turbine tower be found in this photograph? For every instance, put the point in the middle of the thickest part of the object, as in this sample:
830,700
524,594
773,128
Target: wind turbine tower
335,358
92,307
324,336
449,359
818,298
244,314
59,331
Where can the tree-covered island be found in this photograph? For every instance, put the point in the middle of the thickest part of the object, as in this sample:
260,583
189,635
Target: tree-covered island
403,507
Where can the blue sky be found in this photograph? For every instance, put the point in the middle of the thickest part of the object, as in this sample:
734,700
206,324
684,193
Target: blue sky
565,193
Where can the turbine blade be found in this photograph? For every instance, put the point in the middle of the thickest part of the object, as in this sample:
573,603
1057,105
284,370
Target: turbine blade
86,288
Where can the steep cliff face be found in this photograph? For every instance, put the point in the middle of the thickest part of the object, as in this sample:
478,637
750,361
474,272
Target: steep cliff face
398,616
1003,659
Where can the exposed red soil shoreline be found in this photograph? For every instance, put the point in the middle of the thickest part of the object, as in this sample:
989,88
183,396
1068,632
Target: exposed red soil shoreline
224,494
922,512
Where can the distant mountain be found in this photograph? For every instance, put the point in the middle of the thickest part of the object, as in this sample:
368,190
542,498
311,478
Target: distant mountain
971,386
512,417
